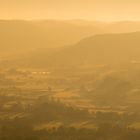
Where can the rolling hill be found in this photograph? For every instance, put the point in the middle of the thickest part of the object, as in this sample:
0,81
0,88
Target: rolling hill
105,49
34,43
20,35
102,49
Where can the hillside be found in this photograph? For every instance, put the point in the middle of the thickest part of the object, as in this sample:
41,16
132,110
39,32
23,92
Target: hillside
34,43
20,35
105,49
16,34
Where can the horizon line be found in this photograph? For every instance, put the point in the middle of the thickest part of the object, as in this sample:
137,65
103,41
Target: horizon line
72,19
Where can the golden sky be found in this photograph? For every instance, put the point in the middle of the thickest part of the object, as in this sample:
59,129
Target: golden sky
104,10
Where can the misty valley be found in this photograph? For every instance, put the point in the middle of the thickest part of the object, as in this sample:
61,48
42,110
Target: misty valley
69,80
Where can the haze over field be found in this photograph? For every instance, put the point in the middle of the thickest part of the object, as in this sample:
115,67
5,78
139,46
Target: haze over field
69,70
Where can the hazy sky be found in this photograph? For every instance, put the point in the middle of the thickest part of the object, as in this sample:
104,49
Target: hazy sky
105,10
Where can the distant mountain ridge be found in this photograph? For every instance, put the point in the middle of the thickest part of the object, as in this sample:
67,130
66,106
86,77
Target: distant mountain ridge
31,43
105,49
17,35
102,49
